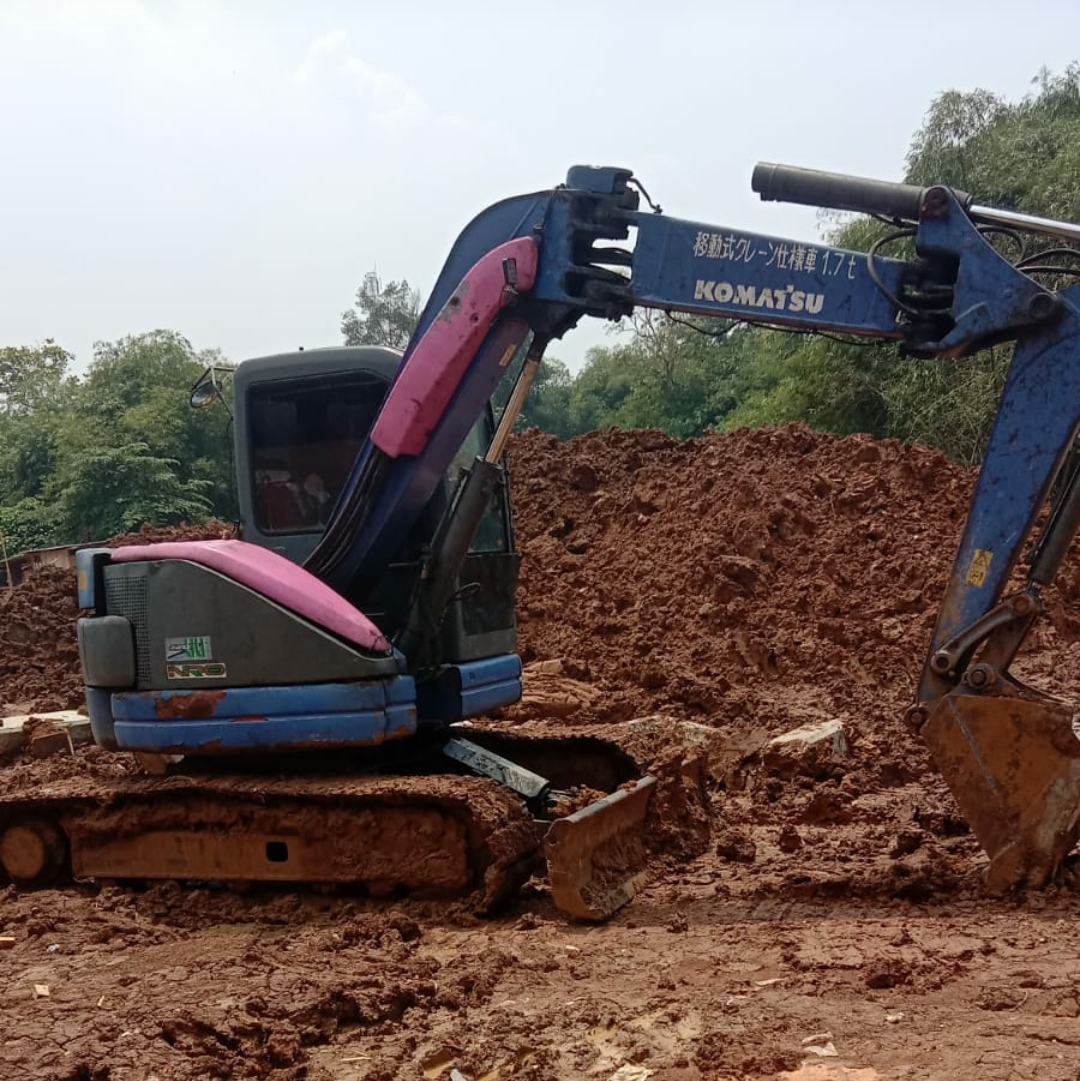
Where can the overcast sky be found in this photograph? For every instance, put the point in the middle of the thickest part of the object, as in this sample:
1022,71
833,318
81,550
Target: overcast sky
231,168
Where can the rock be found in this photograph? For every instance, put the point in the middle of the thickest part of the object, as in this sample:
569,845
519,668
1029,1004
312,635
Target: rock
790,840
156,765
907,841
812,750
47,743
549,690
584,478
11,739
630,1072
735,845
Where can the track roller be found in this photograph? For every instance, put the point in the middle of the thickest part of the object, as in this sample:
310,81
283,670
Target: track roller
34,853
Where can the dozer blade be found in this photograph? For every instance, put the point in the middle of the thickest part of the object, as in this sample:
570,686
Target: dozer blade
596,856
1013,765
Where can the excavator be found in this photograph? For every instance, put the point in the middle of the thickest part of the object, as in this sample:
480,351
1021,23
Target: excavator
313,689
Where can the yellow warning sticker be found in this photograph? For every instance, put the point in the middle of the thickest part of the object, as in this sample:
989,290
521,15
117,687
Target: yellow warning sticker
979,570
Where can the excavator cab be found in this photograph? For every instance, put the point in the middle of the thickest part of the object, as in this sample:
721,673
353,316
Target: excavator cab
300,421
171,637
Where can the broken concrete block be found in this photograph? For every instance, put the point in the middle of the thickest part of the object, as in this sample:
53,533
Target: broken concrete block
811,750
44,744
43,734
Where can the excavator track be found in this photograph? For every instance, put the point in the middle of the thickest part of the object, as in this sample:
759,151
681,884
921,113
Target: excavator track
424,832
423,836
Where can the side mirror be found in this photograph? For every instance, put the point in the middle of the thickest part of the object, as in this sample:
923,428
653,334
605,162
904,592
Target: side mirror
207,389
203,394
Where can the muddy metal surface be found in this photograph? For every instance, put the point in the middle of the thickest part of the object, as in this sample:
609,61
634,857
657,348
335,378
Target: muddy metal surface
836,927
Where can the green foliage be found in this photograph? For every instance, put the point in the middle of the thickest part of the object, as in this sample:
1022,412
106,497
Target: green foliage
29,523
382,314
115,489
28,374
1023,156
674,374
85,458
546,405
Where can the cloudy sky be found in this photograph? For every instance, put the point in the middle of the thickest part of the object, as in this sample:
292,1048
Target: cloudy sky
231,168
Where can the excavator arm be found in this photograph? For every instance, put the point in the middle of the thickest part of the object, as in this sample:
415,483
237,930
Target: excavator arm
528,269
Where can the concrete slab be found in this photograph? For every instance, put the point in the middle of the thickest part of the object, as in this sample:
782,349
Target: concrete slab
74,731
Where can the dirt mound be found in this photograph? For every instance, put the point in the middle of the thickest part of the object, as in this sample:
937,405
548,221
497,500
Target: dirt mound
150,534
744,585
753,583
759,579
39,661
704,574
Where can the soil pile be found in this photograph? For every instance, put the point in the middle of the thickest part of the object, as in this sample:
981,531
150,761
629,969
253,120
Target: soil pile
743,584
710,574
39,661
757,582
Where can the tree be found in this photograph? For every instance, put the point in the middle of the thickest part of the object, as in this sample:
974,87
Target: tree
107,490
127,448
33,398
1023,155
547,403
382,315
30,373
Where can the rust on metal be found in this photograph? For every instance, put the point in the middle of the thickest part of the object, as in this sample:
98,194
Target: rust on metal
23,852
1013,766
596,856
197,706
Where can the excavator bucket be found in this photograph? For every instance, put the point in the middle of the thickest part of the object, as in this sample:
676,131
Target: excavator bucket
1013,765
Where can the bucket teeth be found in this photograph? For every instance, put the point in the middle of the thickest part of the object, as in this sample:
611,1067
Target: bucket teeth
1013,766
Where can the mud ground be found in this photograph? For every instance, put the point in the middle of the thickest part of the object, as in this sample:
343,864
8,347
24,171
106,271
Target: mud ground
835,928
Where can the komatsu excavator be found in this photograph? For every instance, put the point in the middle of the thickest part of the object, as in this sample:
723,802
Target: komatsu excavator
312,675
